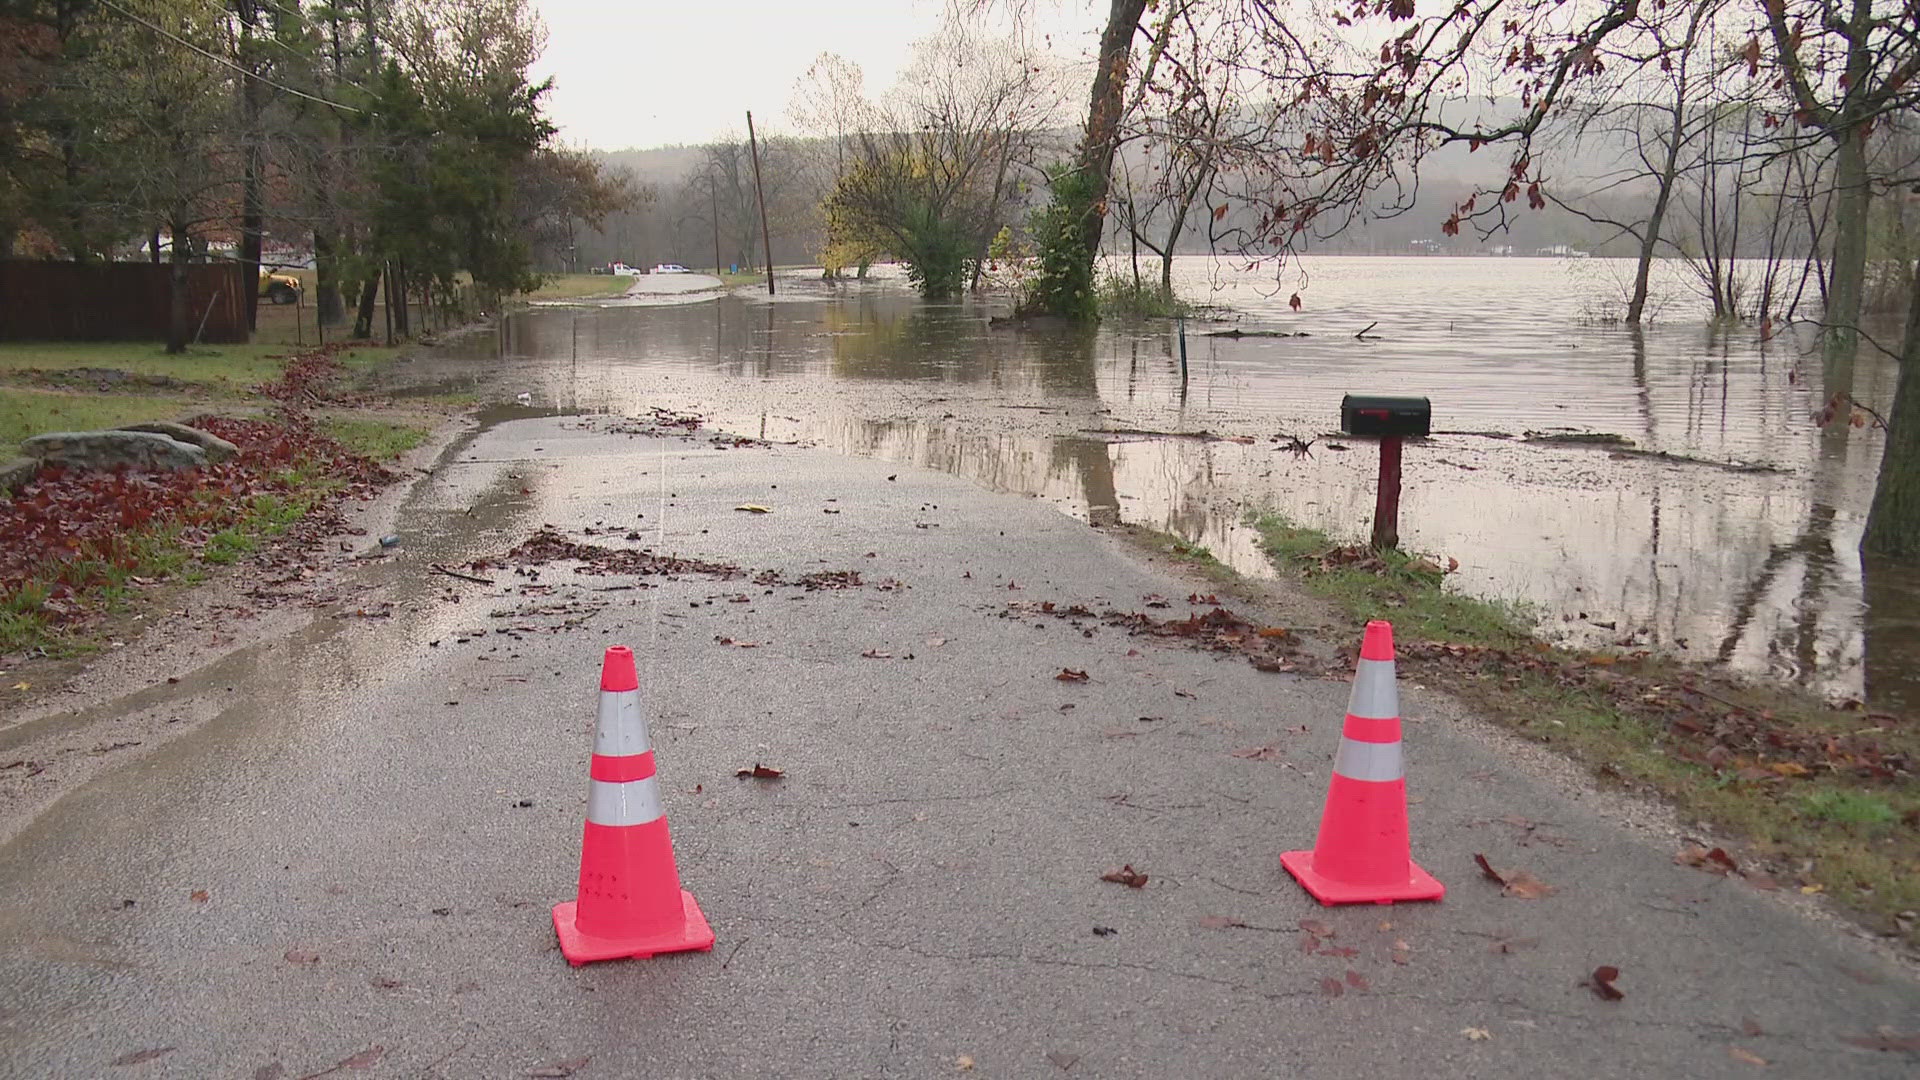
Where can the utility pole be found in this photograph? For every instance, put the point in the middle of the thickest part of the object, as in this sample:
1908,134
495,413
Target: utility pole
766,238
713,201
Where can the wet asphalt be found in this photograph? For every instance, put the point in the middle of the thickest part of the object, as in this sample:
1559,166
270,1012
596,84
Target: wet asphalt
352,863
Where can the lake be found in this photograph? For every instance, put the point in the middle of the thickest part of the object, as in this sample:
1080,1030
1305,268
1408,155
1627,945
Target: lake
1744,552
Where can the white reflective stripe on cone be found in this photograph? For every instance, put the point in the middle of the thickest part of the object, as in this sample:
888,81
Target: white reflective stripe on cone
622,730
635,802
1374,695
1368,760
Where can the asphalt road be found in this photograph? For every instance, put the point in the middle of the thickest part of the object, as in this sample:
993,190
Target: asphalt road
350,861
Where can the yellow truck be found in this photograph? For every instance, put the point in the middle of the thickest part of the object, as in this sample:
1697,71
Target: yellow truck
279,288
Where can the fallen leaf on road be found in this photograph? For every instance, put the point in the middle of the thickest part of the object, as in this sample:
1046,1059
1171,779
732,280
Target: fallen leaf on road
561,1068
963,1062
1744,1056
762,772
1257,753
876,654
381,982
1332,987
1751,1027
295,956
365,1059
1316,928
1712,860
1061,1059
1477,1034
1356,980
139,1056
1218,922
1070,675
1402,953
1274,632
23,686
198,896
1515,883
1885,1040
1126,875
1601,982
1342,951
754,508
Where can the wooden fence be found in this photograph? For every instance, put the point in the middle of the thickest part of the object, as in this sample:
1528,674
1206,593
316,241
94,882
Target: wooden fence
124,301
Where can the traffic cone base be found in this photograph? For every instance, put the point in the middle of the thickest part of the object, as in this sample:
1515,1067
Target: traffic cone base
1419,885
690,935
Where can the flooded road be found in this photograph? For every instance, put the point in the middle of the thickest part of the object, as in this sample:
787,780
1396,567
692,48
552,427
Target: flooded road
1746,554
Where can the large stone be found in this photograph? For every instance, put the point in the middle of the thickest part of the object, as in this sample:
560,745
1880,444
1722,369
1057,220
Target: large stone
217,448
15,473
143,450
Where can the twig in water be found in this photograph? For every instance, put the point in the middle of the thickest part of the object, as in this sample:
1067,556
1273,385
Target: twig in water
438,569
1362,335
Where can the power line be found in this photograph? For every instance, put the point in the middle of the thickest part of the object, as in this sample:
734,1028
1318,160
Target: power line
223,61
217,8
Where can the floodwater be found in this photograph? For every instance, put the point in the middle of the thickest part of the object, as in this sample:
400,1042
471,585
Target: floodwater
1745,555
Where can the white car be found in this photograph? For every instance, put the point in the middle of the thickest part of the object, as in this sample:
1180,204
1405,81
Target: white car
671,268
623,270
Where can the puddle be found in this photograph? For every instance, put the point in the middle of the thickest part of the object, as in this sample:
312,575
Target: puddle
1755,569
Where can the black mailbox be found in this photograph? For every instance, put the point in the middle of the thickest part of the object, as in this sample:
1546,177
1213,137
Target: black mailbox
1371,414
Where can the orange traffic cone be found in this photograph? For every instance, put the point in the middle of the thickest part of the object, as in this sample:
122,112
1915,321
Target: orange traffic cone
1362,854
630,901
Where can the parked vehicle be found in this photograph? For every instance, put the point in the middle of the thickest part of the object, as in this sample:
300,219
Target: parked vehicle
671,268
279,288
623,270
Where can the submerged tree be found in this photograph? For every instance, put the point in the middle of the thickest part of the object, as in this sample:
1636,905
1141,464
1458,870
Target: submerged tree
935,177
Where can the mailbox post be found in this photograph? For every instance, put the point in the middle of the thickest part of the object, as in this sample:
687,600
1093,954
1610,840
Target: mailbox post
1390,419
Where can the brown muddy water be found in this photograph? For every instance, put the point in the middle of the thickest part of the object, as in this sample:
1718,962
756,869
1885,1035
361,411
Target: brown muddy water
1745,553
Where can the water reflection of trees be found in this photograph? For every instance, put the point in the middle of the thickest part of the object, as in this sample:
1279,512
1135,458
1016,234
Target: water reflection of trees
955,343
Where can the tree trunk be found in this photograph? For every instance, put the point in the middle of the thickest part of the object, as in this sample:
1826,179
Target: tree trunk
252,210
397,298
1637,306
1103,117
179,319
1852,199
1893,526
363,322
326,286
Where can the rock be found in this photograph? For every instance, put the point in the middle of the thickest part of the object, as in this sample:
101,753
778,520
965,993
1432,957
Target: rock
15,473
217,448
143,450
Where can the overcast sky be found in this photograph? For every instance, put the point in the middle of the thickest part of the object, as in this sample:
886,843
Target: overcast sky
652,72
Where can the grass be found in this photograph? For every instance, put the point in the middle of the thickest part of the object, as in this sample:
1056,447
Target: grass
25,412
1122,296
1407,589
204,375
381,440
578,286
1832,829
